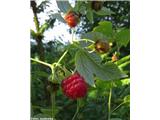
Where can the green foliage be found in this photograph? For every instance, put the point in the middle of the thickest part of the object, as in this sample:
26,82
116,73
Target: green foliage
64,6
110,79
94,36
43,5
122,37
87,67
89,15
105,28
104,11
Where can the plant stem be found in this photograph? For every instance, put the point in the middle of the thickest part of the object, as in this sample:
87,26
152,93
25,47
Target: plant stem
53,102
109,104
39,37
60,59
41,62
87,40
117,107
73,30
77,110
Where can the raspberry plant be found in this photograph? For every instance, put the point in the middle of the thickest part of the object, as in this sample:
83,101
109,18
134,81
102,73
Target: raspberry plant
92,69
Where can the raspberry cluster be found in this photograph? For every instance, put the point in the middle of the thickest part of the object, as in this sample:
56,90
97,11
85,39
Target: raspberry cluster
74,86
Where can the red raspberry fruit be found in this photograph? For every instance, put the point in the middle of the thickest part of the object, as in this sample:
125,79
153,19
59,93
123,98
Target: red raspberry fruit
72,19
74,86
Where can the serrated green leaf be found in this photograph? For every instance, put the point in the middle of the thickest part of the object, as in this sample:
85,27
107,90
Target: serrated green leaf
123,37
94,36
104,27
64,6
78,5
109,72
84,68
96,57
104,11
85,43
89,15
82,10
88,67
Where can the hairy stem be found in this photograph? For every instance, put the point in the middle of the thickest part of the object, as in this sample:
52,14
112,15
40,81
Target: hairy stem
53,102
41,62
60,59
117,107
109,104
40,48
77,110
39,37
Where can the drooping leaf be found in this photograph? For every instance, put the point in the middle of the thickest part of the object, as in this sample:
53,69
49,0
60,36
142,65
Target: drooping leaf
82,10
64,6
95,57
104,27
104,11
123,37
89,68
109,72
85,43
84,68
78,5
94,36
89,15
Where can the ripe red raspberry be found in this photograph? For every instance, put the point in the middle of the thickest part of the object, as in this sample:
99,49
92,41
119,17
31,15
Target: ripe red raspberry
72,19
74,86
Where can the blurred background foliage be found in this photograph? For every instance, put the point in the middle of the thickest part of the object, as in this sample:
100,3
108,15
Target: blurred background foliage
94,106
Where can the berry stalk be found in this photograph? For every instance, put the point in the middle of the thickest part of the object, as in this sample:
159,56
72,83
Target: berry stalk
77,110
53,102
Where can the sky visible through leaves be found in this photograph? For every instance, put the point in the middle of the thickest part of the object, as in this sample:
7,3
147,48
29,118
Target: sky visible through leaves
60,31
